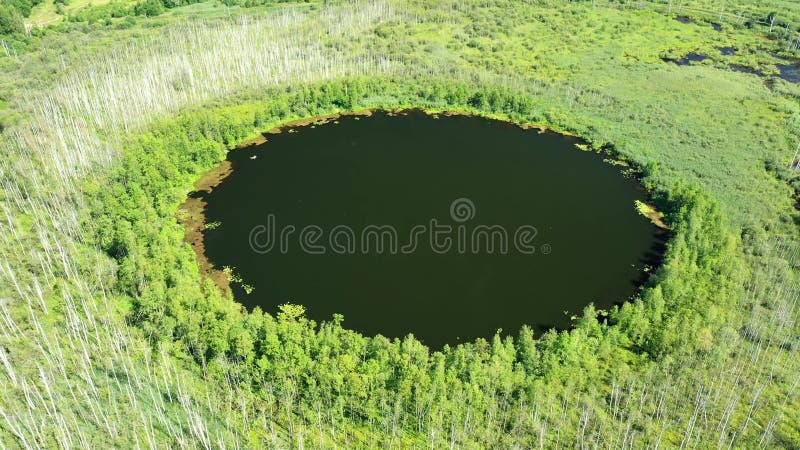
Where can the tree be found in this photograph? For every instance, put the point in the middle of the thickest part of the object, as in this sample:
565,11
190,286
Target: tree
149,8
10,21
771,20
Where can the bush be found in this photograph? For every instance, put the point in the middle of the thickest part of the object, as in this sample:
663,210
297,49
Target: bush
10,21
149,8
23,7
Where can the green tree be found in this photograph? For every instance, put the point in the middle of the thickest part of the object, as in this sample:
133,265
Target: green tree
10,21
149,8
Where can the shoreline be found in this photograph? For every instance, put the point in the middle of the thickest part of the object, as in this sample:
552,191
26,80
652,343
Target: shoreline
191,213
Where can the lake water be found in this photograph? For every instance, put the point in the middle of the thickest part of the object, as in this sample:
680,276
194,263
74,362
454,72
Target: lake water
352,217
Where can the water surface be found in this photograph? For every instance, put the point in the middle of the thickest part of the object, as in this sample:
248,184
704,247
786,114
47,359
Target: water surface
403,171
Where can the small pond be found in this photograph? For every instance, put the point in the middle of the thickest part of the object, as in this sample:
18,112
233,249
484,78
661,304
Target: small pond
789,72
446,227
688,59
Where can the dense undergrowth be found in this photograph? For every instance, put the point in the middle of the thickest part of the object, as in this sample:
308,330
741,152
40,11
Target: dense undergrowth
111,337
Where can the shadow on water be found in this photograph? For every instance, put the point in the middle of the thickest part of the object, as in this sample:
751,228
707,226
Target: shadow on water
654,256
406,170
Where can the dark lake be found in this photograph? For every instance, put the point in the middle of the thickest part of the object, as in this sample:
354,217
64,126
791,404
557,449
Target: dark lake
572,233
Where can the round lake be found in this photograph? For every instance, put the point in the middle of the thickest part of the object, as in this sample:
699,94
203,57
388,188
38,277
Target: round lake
448,228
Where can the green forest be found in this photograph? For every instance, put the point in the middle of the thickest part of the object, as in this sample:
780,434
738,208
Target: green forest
111,336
